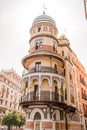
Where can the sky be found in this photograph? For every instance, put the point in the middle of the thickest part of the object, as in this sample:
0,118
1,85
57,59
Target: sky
16,17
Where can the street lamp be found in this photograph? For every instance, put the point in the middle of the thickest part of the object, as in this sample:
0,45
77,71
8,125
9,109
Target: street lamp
68,110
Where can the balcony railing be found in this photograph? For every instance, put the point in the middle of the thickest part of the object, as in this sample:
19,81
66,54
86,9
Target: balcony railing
82,81
43,69
85,113
84,96
44,96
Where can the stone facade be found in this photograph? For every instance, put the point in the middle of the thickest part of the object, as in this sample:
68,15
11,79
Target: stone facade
52,96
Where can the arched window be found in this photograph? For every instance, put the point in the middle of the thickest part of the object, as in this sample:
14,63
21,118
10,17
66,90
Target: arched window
56,93
37,116
54,116
55,66
61,115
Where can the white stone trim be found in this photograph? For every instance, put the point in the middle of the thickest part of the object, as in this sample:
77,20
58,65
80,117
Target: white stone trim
34,112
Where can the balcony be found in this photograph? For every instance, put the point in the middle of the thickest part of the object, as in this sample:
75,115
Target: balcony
43,69
85,113
33,99
82,80
84,96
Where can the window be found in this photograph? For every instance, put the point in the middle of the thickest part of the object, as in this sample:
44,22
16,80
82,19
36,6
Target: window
55,66
62,53
39,29
70,76
38,45
61,115
72,96
54,117
56,93
84,106
38,66
45,29
54,47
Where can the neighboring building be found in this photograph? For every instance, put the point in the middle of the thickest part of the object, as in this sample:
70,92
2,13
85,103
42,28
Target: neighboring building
85,8
53,80
10,92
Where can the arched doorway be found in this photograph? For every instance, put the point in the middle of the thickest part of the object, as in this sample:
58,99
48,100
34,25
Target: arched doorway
37,118
56,120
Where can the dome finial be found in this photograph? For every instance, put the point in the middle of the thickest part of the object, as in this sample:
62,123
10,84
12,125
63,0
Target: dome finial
44,8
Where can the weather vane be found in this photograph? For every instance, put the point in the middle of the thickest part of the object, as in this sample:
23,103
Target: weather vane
44,8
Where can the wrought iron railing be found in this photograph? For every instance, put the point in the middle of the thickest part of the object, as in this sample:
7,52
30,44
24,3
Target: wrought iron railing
44,96
43,69
85,113
84,96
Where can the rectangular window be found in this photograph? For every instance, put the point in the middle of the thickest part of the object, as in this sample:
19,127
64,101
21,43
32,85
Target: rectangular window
38,66
54,47
36,47
62,53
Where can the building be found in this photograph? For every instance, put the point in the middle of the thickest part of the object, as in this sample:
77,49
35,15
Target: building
10,92
53,80
85,8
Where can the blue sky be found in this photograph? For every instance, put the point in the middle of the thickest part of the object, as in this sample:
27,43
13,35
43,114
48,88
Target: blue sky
16,17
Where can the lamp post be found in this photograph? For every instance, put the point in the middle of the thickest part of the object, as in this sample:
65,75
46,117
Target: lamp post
68,110
66,122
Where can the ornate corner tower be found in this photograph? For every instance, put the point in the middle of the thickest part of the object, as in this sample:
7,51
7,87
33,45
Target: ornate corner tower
45,93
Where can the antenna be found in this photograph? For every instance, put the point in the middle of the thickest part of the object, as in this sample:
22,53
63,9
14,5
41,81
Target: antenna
44,8
65,30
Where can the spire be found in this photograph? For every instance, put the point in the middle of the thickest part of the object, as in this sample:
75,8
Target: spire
44,8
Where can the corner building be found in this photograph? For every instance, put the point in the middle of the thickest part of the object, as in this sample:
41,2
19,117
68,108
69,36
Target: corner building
51,94
10,92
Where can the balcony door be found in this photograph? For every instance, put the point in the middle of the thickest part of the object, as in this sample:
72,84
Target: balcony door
36,92
37,119
56,93
38,66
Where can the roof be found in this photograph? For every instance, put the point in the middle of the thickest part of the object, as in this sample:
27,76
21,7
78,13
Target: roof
43,18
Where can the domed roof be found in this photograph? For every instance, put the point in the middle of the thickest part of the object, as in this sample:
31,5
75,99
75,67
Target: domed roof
43,18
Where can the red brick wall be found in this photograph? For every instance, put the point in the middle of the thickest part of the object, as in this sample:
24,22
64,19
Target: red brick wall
46,125
30,125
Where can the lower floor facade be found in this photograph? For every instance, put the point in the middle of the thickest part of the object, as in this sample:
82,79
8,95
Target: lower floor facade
52,125
52,118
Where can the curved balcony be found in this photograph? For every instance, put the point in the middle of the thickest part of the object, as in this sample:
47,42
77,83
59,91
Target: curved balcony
43,99
43,69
